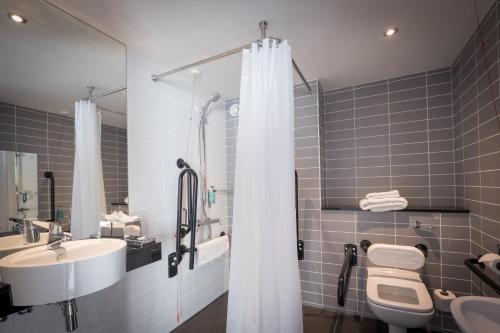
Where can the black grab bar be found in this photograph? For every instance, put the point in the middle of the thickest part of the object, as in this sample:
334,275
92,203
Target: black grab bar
300,243
345,272
477,267
50,175
175,258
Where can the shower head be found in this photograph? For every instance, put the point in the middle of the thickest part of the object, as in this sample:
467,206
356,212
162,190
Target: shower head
215,97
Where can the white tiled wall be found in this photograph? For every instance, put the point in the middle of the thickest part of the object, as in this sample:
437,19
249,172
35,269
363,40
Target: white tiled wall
147,300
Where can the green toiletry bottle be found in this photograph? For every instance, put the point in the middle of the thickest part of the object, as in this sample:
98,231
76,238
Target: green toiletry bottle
60,214
211,195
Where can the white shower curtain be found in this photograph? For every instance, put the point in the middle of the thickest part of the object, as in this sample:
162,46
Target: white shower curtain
88,200
264,285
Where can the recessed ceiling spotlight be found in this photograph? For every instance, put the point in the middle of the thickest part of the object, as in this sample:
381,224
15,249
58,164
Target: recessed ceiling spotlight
64,112
390,32
17,18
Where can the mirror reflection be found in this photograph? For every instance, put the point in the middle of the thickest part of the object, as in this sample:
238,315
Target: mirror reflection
50,61
18,186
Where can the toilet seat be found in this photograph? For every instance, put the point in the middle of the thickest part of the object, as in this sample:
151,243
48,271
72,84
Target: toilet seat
399,294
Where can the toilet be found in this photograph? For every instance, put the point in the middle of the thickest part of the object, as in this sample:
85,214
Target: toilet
395,293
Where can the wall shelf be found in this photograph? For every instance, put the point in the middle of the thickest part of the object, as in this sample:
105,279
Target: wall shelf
408,209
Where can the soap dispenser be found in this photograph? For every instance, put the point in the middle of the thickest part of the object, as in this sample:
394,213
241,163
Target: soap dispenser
211,196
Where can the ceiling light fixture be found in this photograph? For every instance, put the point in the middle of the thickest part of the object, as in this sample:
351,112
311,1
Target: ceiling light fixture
17,18
64,112
390,32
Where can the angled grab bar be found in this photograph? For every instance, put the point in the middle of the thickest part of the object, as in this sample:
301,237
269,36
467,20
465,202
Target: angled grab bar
175,258
475,266
345,272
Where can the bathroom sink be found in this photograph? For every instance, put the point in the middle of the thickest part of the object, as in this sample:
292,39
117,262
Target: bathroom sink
15,243
475,314
41,276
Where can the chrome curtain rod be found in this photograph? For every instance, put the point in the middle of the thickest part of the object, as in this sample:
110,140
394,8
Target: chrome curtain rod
262,26
106,93
102,108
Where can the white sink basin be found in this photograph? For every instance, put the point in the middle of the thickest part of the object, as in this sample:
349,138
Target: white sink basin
475,314
41,276
15,243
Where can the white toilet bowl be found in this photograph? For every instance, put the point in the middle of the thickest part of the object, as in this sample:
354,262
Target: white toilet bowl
396,296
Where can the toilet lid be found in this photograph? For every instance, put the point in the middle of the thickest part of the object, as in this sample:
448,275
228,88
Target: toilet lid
399,294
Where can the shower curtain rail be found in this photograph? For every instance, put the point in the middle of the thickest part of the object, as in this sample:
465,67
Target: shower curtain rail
106,93
262,26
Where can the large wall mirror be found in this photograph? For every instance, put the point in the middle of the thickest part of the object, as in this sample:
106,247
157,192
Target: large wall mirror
48,61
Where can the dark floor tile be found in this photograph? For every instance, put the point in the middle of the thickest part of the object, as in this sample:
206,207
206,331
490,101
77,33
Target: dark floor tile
356,324
218,307
202,323
212,319
311,312
319,324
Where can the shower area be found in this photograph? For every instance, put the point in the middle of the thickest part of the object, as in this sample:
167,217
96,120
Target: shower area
186,119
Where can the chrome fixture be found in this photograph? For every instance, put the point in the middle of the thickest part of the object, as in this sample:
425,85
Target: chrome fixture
106,93
202,150
56,236
418,225
69,310
263,28
31,233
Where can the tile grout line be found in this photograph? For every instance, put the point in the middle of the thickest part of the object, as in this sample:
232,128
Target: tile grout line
428,138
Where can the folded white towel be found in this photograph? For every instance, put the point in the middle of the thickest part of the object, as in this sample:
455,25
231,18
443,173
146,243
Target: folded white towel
112,217
132,230
383,204
212,249
388,194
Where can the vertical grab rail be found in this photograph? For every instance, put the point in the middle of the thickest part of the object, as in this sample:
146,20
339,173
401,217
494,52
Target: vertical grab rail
175,258
300,243
50,175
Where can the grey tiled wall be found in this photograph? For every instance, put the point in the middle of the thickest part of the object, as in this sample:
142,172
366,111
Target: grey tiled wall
477,136
447,241
51,136
326,232
391,134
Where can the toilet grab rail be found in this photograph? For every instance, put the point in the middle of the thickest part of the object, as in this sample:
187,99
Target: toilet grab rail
300,243
477,267
350,260
175,258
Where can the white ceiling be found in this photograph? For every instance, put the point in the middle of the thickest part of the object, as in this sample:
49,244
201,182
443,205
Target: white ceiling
47,63
51,60
339,42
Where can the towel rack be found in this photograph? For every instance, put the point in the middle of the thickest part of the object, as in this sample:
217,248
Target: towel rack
350,260
175,258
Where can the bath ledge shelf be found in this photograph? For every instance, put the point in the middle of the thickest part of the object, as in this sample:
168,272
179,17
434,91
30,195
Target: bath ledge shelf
408,209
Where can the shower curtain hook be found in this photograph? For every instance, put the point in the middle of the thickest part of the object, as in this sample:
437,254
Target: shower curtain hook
91,90
263,27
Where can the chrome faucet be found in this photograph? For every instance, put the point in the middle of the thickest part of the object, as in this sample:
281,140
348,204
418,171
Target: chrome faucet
31,233
56,236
